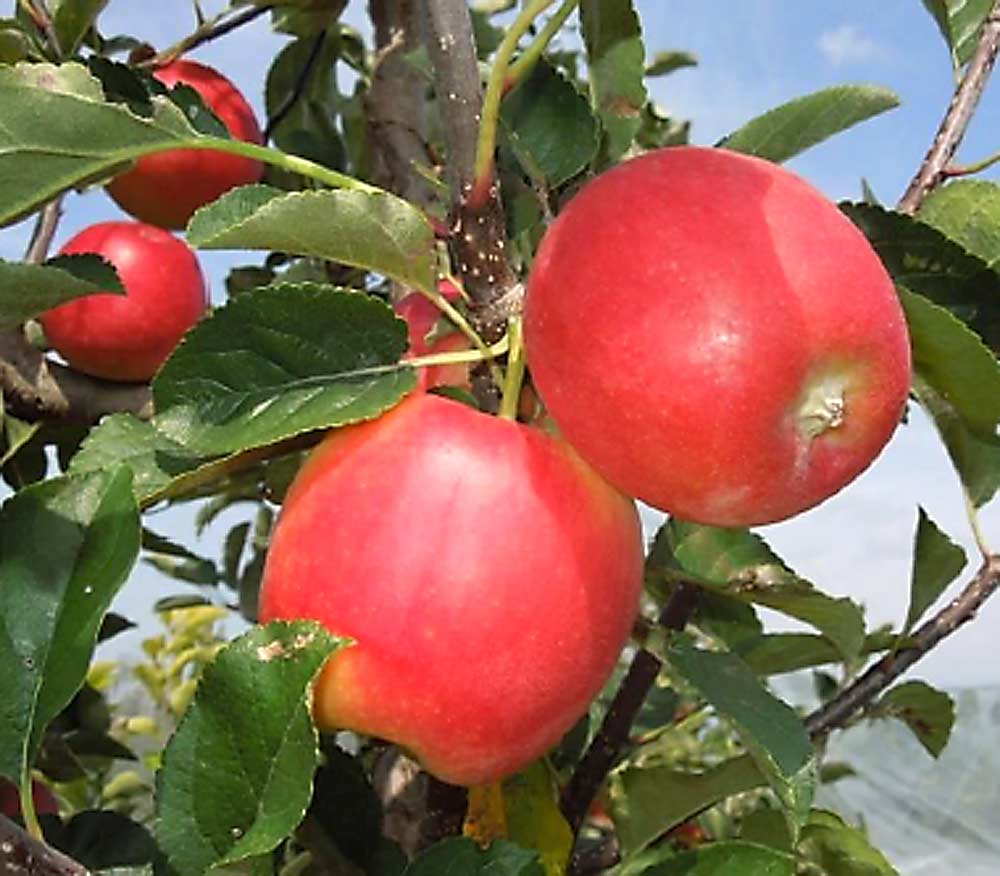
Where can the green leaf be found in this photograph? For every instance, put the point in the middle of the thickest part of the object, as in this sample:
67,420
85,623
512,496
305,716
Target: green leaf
28,290
766,827
309,127
769,728
840,849
533,818
375,231
659,129
923,259
16,434
960,22
549,126
729,622
937,560
162,468
647,802
777,653
237,775
66,547
739,564
732,858
967,212
15,44
157,462
956,379
84,138
304,18
616,64
279,361
977,461
800,124
667,62
459,856
72,20
929,713
103,840
346,807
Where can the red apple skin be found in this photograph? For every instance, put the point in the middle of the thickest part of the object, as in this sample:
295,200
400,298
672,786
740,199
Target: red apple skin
488,575
421,315
691,317
127,337
10,799
164,189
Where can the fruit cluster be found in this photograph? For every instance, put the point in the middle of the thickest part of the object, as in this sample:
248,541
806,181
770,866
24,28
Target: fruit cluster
708,334
127,338
733,353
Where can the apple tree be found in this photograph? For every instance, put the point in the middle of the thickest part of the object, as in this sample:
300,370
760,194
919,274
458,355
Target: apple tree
454,650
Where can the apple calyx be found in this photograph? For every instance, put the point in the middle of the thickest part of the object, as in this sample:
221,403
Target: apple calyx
823,407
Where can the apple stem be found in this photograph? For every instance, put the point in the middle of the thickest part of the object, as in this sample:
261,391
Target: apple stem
515,371
520,69
462,324
486,144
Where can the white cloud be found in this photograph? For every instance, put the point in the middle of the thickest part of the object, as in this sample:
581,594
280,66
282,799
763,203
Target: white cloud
847,44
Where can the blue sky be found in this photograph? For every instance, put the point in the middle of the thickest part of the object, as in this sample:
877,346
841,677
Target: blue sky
752,55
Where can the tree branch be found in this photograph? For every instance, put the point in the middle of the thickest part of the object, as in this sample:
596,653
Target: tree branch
396,102
43,20
479,238
22,855
37,389
613,735
210,30
862,691
44,231
933,170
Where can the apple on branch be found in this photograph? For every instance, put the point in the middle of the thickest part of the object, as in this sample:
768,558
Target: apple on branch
487,574
165,188
127,337
715,337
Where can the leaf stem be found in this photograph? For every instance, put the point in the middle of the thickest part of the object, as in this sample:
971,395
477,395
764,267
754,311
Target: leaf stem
463,325
530,56
974,525
453,358
970,169
292,163
482,177
28,814
515,371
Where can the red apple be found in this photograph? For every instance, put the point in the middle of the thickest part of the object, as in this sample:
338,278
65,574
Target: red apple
166,188
127,337
422,315
715,337
10,799
488,575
